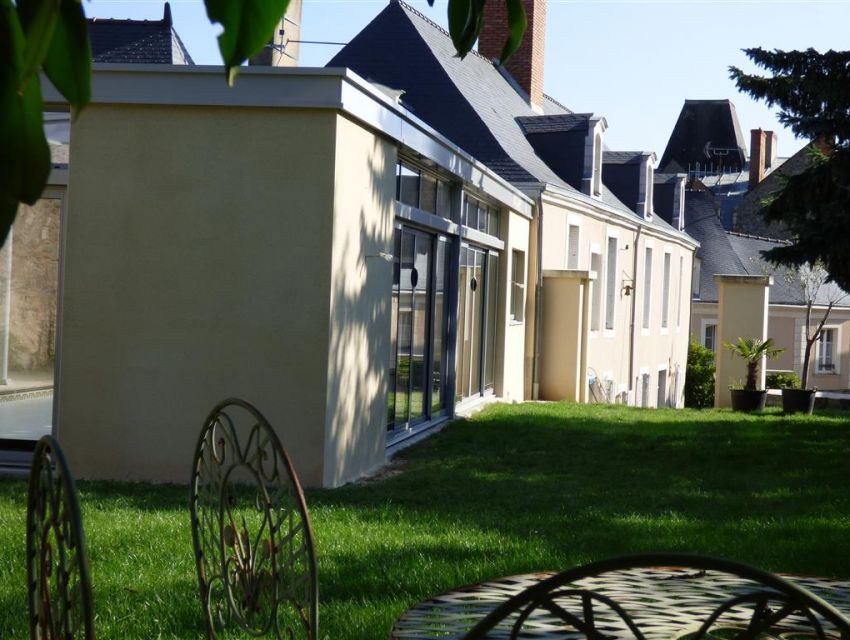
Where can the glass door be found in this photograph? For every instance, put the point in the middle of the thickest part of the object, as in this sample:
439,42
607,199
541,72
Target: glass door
477,304
417,351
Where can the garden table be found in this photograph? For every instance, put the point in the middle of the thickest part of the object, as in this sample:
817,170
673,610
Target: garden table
644,602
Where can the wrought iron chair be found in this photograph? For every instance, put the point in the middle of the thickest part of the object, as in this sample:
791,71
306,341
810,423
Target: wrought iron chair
251,530
58,583
690,597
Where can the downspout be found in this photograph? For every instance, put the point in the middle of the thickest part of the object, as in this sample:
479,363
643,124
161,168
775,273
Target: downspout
538,301
633,326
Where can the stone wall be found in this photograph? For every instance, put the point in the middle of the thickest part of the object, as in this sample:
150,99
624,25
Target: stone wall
35,275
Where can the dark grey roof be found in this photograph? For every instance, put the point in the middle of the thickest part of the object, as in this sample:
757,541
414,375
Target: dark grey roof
707,132
554,124
622,157
137,41
725,252
473,102
668,178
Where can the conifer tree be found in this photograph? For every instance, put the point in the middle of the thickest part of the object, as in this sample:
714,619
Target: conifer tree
812,91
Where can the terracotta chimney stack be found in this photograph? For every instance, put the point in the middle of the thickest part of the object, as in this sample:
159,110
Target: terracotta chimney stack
526,65
757,149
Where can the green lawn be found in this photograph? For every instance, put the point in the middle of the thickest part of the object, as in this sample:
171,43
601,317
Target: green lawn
518,488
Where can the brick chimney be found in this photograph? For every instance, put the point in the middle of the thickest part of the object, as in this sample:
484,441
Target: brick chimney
757,149
526,65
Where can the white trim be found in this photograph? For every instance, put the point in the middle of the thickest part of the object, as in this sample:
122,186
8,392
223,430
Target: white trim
707,322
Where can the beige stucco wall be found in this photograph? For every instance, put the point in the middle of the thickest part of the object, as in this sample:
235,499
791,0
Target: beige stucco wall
198,266
563,336
742,311
609,354
35,273
511,358
360,297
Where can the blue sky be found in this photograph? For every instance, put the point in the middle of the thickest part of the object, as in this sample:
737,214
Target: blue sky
634,62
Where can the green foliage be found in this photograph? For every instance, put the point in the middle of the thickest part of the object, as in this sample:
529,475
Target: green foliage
812,91
752,350
52,36
789,380
699,376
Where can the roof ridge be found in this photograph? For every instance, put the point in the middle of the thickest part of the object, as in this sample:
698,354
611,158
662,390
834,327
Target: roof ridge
557,102
437,26
755,237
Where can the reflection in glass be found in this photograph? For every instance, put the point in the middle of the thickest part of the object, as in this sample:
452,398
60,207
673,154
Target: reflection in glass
428,193
440,324
394,328
477,325
405,329
408,185
421,317
461,364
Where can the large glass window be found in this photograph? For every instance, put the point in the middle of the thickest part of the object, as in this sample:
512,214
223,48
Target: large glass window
407,190
477,305
416,372
480,216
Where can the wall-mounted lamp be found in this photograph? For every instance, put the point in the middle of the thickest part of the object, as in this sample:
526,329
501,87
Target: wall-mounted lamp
628,286
383,255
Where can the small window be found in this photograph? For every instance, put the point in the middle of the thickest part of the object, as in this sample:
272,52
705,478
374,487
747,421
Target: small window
572,246
709,338
610,283
665,293
647,287
518,286
679,292
596,292
428,193
407,189
826,351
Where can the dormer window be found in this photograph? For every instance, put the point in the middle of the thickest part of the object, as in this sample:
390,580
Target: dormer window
597,165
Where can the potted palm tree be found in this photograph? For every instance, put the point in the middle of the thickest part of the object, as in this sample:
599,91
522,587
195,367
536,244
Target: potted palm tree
752,350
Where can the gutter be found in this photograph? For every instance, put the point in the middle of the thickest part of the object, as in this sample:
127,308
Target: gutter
538,302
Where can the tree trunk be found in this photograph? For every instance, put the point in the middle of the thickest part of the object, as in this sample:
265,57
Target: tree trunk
804,379
752,370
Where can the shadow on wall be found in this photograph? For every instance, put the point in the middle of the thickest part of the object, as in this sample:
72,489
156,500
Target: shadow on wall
359,331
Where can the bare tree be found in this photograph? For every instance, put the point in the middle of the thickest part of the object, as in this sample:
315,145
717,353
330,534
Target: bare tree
810,284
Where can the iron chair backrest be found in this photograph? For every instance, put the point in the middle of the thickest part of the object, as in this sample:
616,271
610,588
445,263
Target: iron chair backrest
760,602
58,582
251,530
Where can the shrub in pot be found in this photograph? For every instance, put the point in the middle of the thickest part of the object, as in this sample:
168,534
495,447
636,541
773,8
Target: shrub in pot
752,350
794,399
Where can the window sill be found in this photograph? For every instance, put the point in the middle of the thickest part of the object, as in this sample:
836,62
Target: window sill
665,331
645,332
819,372
515,323
608,333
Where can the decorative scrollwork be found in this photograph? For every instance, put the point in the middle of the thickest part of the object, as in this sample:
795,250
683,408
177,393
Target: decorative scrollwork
58,583
251,530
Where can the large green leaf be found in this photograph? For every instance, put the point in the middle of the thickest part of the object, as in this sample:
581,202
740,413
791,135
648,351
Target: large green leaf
248,27
517,24
68,61
24,154
460,18
38,19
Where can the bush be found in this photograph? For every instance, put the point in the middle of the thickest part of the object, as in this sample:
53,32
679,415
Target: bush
699,377
788,380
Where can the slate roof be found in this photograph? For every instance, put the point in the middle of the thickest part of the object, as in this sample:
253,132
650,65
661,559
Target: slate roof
622,157
728,252
707,132
555,123
473,102
137,41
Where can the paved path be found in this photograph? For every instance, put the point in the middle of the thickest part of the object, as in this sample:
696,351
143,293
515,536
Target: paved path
26,419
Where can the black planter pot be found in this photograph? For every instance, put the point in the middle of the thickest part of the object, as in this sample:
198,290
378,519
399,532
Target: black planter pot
747,400
798,400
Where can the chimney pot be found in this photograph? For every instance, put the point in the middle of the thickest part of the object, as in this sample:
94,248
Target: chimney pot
526,64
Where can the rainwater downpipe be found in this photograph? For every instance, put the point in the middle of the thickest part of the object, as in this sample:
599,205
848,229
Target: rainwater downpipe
633,325
538,302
